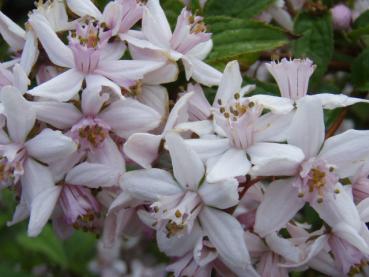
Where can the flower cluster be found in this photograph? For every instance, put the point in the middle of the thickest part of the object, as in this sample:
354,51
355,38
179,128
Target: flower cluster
101,143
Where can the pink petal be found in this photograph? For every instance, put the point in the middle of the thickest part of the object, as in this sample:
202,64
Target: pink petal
200,71
84,8
221,195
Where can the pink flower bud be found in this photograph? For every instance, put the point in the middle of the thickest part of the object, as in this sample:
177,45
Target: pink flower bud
341,15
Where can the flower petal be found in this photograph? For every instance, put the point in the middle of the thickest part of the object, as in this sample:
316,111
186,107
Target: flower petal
221,195
226,234
273,159
200,71
30,52
310,135
280,204
128,116
142,148
208,148
20,117
346,151
57,51
155,25
278,105
57,114
50,146
188,168
12,33
40,194
150,184
61,88
93,175
332,101
84,8
230,83
230,164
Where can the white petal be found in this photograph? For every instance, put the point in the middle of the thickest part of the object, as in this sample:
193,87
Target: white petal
202,50
93,98
338,208
155,24
278,105
59,115
178,246
21,81
30,52
178,114
50,146
308,136
166,74
346,151
21,213
280,204
273,159
352,236
57,51
101,82
208,148
221,195
283,247
113,51
200,128
128,116
142,148
155,97
93,175
230,83
61,88
201,72
188,168
12,33
84,8
363,208
109,154
19,114
120,71
232,163
332,101
273,127
226,234
40,194
150,184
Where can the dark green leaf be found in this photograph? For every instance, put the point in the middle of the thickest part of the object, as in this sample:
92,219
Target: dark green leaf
242,40
360,71
316,41
245,9
47,244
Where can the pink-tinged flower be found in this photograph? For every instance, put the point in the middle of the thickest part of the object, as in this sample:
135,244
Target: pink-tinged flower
13,75
19,155
292,77
271,252
89,56
189,41
178,205
143,148
279,14
317,181
348,246
99,119
84,8
121,15
360,183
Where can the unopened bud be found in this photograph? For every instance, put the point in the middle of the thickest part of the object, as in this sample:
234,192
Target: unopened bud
341,16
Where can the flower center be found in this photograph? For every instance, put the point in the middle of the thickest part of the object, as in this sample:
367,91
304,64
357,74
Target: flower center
317,179
90,133
176,214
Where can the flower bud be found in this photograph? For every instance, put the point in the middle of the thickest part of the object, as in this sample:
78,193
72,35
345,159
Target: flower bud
341,15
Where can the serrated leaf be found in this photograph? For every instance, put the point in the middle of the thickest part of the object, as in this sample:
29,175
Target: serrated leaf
360,71
236,8
316,41
243,40
47,244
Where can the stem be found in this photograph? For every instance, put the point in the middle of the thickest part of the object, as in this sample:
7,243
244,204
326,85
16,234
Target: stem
336,124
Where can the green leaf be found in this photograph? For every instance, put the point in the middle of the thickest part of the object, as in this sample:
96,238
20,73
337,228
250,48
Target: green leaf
316,41
47,244
360,71
10,271
243,40
236,8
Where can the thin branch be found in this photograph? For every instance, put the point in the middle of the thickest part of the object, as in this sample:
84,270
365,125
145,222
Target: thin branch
336,124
